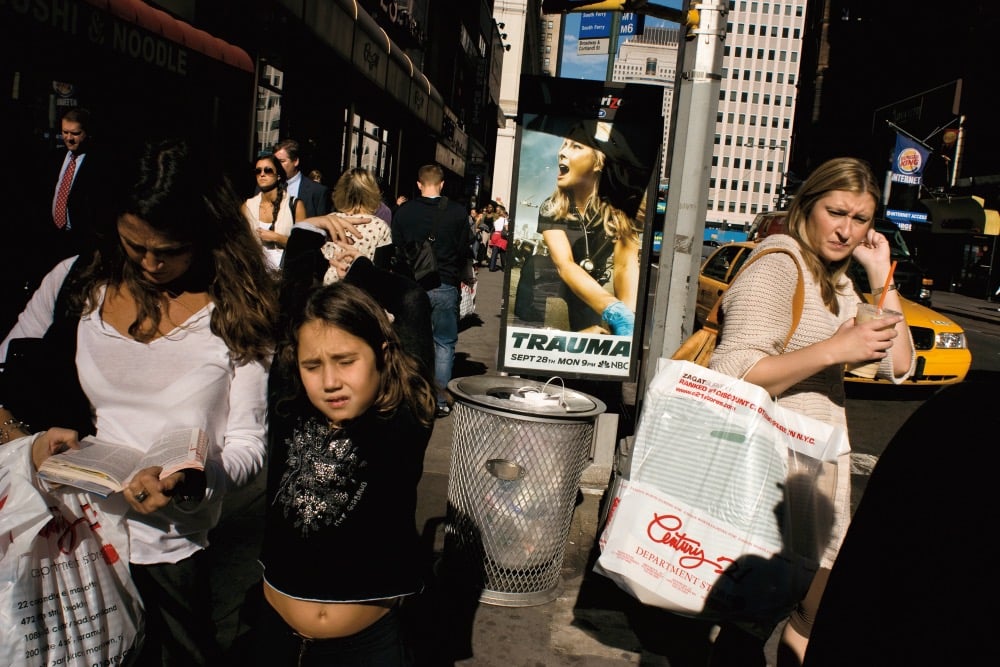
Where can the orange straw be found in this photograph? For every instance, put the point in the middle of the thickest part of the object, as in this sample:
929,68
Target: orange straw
885,288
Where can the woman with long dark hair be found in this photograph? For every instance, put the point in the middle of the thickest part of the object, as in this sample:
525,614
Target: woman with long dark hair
171,326
270,214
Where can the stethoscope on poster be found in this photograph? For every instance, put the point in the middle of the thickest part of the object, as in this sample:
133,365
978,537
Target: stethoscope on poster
587,263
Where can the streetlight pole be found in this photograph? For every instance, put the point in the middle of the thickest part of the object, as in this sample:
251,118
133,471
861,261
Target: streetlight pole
779,189
672,309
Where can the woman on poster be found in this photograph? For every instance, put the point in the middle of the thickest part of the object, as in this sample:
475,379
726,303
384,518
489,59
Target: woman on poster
592,226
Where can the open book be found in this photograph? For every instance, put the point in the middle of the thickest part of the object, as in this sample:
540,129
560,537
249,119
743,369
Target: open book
105,468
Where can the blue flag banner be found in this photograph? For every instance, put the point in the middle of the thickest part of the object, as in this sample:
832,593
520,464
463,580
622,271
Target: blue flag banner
908,161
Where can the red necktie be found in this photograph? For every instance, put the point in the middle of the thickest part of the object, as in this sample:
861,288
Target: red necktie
62,195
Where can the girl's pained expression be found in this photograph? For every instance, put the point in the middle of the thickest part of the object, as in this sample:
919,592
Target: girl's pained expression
338,370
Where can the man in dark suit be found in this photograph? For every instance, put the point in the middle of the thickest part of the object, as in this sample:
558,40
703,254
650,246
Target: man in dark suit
315,196
61,210
412,223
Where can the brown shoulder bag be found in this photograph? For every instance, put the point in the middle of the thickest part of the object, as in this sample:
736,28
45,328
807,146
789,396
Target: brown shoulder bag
700,345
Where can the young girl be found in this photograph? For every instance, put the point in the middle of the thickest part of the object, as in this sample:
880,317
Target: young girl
348,432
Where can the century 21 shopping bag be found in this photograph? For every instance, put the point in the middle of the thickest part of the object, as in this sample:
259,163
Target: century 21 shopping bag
728,505
66,597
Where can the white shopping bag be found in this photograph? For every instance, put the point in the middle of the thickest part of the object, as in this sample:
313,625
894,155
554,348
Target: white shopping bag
66,596
728,505
467,302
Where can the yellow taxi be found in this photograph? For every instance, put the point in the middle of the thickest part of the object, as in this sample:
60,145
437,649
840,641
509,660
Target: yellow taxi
943,355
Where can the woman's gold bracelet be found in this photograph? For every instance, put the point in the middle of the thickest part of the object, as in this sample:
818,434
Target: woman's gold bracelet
877,291
9,427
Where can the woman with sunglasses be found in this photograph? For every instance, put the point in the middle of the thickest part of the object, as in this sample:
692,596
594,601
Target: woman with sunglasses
267,212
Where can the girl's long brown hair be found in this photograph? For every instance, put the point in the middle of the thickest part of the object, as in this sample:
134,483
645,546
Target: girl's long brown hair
403,378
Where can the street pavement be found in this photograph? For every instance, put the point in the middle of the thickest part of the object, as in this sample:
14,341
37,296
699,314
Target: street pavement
964,305
590,623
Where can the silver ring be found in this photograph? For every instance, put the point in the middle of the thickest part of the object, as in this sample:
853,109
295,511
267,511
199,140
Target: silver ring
141,496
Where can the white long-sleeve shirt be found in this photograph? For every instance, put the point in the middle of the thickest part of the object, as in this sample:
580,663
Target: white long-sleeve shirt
140,390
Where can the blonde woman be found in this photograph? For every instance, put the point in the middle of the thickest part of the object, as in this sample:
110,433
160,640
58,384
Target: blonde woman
591,242
830,225
356,198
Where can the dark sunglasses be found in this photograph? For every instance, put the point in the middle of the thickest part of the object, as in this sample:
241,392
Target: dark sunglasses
264,170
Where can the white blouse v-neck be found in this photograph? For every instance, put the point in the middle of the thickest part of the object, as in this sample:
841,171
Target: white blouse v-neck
140,390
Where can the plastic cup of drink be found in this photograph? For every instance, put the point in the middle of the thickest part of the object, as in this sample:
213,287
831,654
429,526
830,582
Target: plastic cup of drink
867,312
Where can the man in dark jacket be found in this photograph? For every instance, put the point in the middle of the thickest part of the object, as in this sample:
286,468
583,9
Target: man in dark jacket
65,205
315,196
412,223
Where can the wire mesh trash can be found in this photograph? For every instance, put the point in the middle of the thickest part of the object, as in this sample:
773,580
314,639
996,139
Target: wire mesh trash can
519,448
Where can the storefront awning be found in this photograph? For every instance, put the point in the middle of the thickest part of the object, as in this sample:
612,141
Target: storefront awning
161,23
962,215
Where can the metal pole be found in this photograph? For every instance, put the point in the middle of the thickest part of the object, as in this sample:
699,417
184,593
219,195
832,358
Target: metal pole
959,151
613,45
693,130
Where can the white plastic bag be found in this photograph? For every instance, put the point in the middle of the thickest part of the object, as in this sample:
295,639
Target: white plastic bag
728,505
66,596
467,302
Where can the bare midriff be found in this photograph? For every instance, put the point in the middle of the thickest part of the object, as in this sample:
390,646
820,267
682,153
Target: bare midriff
326,620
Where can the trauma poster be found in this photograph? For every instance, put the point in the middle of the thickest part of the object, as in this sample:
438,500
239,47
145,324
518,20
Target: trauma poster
587,162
